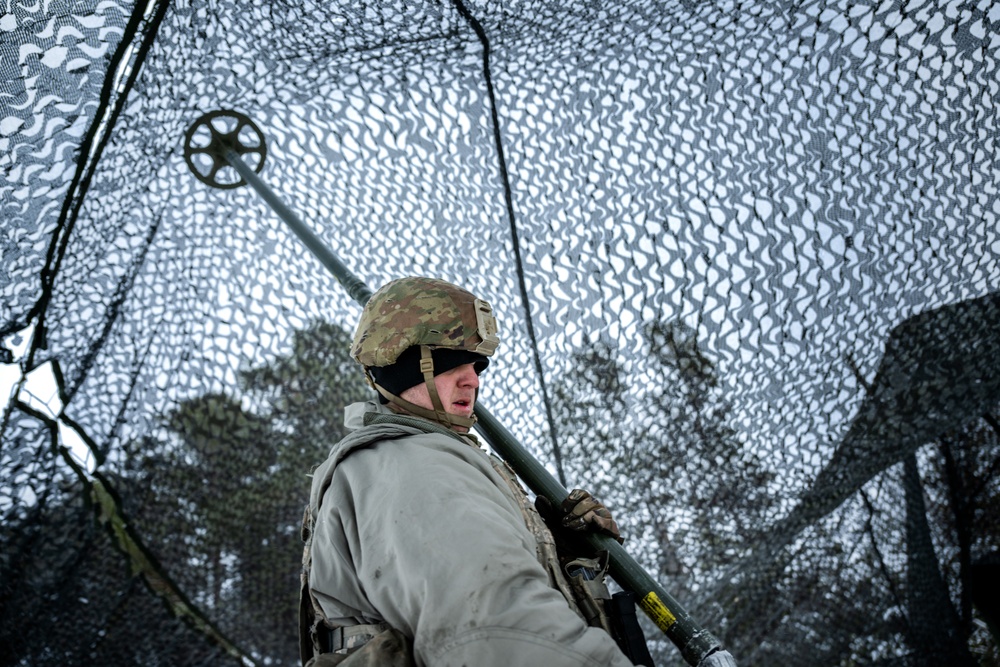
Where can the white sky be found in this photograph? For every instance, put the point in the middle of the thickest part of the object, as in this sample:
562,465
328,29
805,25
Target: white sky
40,391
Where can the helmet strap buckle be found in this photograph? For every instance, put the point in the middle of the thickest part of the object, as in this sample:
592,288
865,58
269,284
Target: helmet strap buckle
427,368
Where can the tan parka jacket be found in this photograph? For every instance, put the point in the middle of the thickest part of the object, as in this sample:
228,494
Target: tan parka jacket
417,529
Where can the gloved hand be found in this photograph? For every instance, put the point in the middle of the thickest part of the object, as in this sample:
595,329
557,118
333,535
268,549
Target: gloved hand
582,512
718,659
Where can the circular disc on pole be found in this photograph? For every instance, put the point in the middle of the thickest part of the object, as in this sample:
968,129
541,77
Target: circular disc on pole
212,137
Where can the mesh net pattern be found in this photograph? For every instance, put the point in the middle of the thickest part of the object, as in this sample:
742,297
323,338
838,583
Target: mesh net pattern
744,257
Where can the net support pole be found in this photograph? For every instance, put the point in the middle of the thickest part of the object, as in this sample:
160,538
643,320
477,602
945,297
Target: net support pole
354,286
698,646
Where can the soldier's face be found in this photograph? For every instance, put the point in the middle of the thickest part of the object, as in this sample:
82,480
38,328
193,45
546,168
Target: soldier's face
457,389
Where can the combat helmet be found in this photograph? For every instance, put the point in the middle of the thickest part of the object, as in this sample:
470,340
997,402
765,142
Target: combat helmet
425,314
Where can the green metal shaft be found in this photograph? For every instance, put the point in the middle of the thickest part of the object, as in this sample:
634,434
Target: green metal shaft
356,289
694,642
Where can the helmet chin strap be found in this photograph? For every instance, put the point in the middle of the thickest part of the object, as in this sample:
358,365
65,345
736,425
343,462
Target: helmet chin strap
438,414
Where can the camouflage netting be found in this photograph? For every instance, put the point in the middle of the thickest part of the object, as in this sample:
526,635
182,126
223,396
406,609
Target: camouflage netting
744,257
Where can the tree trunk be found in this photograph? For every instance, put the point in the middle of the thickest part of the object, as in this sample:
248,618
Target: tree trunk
934,626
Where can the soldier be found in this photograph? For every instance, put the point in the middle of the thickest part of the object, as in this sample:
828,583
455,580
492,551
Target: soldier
420,547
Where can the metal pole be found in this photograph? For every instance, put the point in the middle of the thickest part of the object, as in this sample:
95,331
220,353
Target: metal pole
354,285
694,642
698,646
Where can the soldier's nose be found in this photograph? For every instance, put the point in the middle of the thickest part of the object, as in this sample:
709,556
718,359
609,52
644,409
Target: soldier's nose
468,375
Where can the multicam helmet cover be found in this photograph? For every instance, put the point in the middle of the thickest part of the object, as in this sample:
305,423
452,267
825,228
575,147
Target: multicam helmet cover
422,311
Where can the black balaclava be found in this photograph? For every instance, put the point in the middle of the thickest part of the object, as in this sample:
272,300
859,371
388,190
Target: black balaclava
405,373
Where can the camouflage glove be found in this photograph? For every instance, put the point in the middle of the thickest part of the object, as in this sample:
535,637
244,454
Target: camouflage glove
582,512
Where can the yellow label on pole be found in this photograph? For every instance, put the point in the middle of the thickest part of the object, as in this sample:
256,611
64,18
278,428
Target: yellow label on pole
657,611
